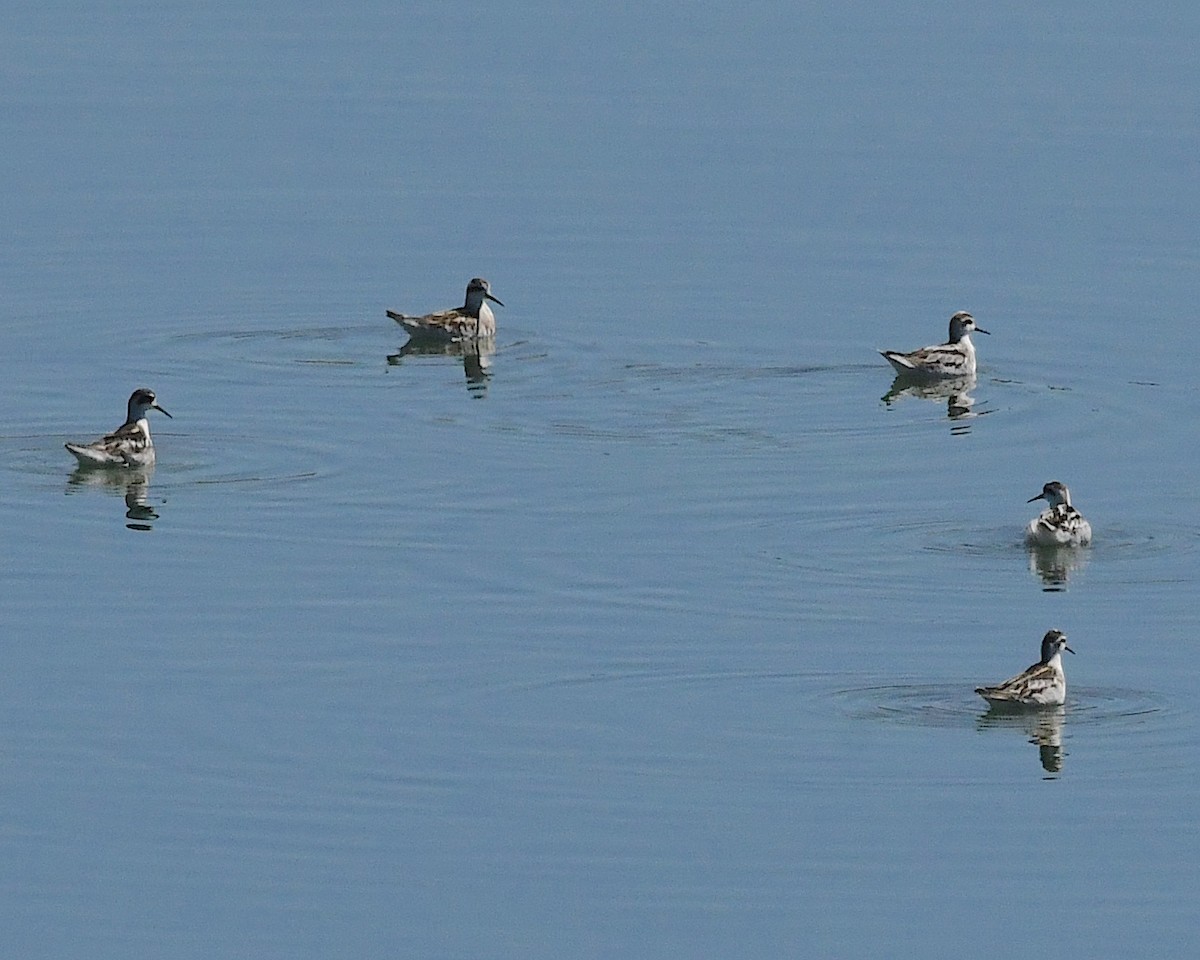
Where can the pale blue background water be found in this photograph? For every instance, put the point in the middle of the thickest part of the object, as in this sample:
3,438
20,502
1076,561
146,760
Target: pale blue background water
661,641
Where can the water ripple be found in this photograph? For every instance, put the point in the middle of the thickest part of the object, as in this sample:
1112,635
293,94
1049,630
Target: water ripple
956,705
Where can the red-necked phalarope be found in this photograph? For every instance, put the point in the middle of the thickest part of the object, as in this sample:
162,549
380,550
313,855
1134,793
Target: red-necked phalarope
954,358
473,319
1043,685
127,446
1060,524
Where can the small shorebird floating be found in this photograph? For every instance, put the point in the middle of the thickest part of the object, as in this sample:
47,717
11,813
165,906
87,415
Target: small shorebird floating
1060,524
954,358
473,319
127,446
1043,685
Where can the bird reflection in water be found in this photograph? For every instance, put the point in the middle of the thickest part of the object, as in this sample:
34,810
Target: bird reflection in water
1054,566
131,483
476,353
1042,725
955,391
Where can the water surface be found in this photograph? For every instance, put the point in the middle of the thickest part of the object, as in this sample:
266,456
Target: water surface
653,632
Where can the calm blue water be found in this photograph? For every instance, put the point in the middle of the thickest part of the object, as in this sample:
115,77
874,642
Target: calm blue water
657,637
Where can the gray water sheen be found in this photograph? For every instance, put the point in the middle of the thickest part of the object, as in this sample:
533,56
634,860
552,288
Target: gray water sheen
654,631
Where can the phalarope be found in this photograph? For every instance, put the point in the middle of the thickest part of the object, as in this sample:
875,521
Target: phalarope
473,319
127,446
1060,524
1042,685
954,358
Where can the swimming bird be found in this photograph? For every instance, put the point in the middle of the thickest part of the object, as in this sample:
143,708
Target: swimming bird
1042,685
473,319
954,358
1060,524
127,446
